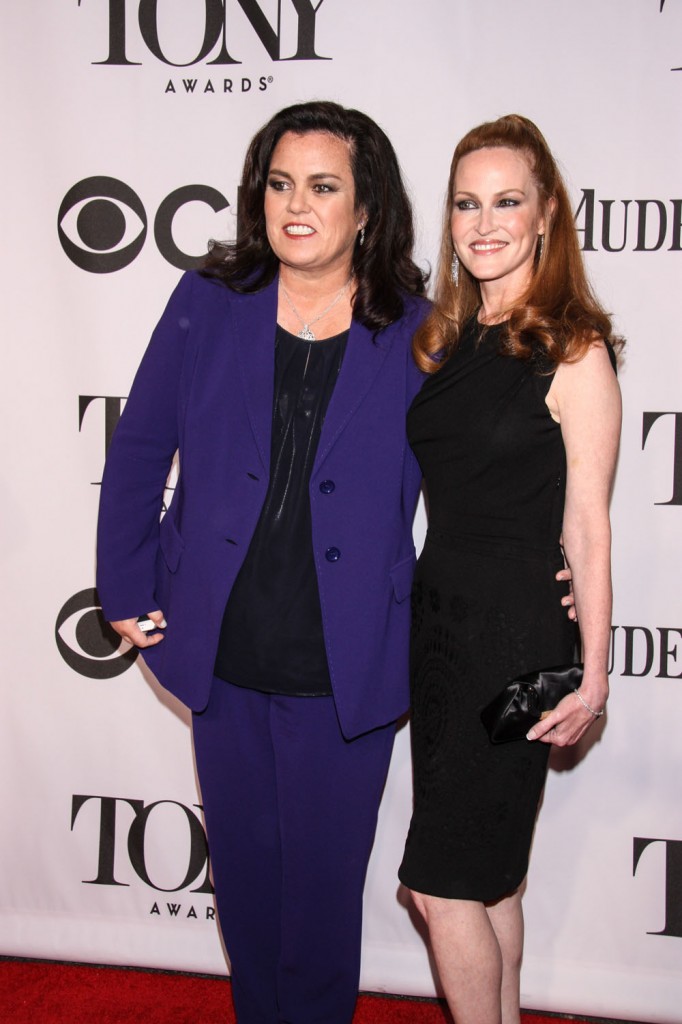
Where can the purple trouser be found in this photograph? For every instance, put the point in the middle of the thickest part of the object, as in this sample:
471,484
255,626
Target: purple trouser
291,811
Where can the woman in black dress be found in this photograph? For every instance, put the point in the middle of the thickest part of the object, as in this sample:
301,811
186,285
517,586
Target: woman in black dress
516,431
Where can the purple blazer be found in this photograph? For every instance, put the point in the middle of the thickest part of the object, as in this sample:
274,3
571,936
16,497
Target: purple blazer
205,388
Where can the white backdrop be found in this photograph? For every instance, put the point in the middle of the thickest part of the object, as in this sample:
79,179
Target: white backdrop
110,107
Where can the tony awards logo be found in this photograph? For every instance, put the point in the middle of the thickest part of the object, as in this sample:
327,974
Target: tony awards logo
218,37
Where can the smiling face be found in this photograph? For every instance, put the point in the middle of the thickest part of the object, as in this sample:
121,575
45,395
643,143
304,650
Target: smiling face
310,214
497,215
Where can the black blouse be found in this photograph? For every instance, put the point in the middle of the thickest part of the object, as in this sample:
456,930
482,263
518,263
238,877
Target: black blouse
271,637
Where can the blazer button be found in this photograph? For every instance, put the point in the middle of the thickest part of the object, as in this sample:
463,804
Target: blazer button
332,554
327,486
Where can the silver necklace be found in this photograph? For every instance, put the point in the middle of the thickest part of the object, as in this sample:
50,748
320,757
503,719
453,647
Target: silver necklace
305,331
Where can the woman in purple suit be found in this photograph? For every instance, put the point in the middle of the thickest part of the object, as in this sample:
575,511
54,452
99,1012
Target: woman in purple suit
282,374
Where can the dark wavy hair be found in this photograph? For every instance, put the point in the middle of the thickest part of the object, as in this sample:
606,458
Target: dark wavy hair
383,266
559,313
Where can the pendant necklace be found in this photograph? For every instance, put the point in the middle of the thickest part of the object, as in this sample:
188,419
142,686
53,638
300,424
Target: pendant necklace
305,331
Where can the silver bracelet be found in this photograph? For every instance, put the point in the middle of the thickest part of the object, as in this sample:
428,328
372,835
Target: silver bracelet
597,714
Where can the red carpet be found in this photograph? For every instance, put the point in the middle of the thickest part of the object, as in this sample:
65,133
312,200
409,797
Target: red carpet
51,993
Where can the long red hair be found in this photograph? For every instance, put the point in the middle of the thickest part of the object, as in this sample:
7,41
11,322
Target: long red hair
558,313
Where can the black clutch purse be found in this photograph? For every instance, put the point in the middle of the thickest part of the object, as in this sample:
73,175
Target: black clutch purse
524,700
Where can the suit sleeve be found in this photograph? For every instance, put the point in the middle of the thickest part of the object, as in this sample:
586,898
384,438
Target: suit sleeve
138,463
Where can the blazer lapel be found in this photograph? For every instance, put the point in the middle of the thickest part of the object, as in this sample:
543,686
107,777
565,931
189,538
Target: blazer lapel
362,361
255,320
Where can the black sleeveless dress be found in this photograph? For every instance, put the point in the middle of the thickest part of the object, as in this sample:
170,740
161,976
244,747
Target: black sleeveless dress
486,606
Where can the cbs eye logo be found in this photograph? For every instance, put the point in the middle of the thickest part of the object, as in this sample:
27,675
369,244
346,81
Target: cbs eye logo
86,641
102,224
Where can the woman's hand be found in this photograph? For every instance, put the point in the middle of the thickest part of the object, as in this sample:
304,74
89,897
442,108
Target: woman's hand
565,575
130,630
570,719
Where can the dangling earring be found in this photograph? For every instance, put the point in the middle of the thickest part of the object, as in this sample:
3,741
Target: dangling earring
362,235
541,245
454,270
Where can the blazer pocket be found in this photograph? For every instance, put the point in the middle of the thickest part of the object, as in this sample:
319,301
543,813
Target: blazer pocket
171,543
401,577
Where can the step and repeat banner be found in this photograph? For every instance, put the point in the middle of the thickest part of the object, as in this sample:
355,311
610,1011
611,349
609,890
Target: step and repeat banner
124,128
